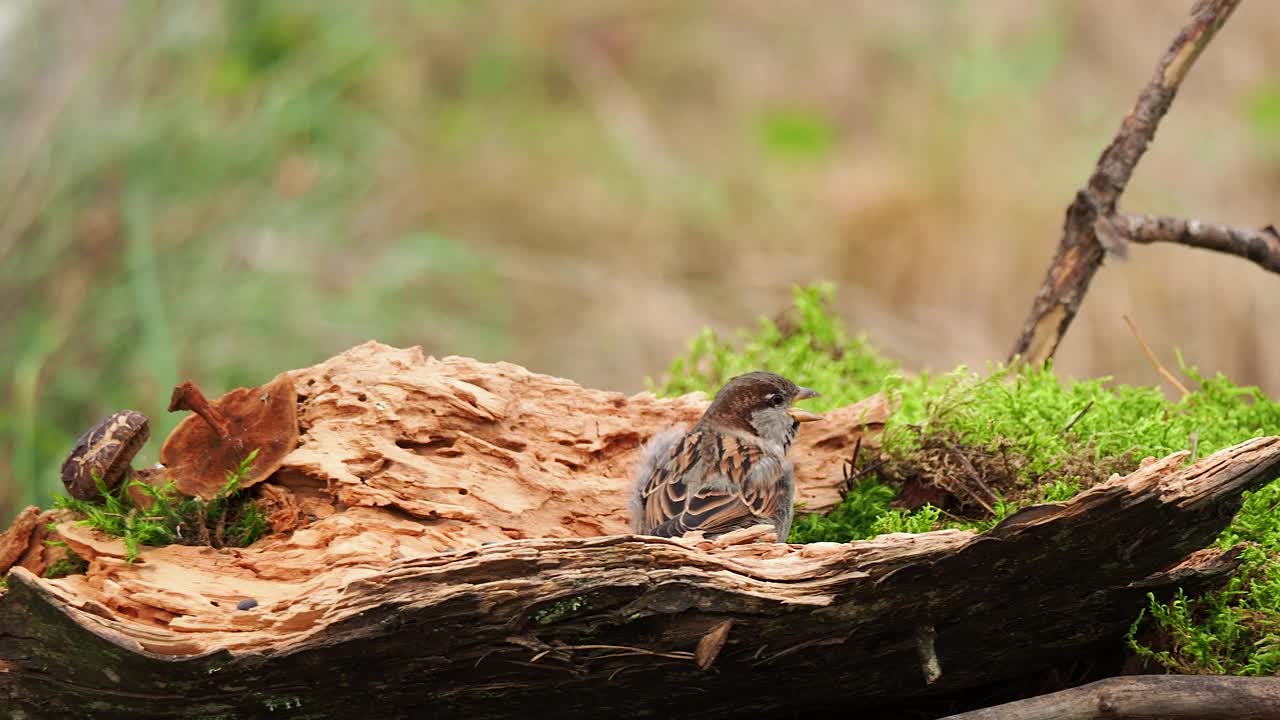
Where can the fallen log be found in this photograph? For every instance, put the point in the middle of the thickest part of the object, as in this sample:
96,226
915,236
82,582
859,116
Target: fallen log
451,539
1148,697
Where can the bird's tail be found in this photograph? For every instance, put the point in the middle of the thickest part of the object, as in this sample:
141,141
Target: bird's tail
655,452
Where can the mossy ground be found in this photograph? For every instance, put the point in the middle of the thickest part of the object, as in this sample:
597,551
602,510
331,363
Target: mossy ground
965,449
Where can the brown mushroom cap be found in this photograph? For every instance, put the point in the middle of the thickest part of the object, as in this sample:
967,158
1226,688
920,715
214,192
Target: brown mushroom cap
200,452
104,451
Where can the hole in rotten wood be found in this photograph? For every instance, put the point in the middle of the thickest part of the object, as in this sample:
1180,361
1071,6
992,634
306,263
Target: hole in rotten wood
477,380
568,463
614,444
369,471
362,397
462,491
832,441
429,447
509,444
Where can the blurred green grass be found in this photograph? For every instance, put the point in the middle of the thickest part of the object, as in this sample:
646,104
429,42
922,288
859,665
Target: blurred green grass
202,196
228,189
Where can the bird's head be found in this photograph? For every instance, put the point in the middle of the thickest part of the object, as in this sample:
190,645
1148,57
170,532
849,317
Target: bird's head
759,403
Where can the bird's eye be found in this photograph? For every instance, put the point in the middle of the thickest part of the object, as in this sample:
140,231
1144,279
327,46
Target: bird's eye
774,398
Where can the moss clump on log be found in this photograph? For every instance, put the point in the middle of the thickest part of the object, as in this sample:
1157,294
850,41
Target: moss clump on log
965,449
228,519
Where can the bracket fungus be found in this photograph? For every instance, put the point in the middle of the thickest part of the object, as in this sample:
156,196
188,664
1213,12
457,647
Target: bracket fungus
204,447
103,453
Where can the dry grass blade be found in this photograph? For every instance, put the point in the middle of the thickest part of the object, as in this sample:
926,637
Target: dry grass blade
1155,362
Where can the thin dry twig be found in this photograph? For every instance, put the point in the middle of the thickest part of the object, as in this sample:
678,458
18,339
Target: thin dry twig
220,528
1155,362
202,525
1258,246
1076,418
623,650
977,478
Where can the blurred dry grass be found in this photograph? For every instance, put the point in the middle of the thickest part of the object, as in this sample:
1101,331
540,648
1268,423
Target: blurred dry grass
228,189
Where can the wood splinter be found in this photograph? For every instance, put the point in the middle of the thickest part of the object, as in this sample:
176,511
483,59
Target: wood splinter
711,644
925,637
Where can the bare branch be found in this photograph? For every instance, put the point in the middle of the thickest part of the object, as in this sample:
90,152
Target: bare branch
1173,697
1258,246
1080,253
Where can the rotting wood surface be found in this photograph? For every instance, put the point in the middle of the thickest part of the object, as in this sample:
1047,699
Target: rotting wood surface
391,603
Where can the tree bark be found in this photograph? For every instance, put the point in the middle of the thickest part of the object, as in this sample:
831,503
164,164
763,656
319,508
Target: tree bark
390,593
1148,697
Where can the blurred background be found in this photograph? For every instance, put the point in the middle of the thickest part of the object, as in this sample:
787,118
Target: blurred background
224,190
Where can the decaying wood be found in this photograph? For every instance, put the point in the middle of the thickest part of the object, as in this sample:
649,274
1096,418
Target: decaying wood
23,544
1091,229
453,543
1148,697
495,452
15,541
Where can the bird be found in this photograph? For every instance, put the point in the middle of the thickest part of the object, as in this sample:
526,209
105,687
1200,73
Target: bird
729,470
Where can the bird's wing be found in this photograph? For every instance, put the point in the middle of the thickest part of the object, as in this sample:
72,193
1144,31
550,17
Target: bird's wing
664,488
651,472
740,489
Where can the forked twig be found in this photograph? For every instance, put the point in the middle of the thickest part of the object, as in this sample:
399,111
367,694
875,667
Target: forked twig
1092,228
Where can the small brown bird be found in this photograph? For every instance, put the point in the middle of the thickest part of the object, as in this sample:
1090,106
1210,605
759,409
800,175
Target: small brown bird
729,471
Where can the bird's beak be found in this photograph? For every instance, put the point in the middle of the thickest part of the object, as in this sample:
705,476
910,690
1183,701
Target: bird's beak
803,415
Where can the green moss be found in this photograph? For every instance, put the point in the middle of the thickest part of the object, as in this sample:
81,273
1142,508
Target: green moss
1234,630
72,564
853,519
807,344
1032,437
227,519
291,702
560,610
247,526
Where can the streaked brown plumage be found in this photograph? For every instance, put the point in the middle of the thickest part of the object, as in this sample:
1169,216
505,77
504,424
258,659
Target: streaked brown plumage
729,471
